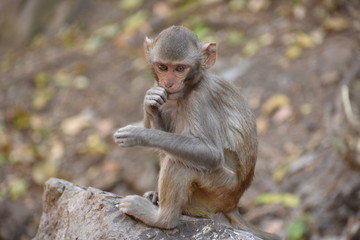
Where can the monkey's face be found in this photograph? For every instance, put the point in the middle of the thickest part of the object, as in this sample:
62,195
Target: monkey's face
171,76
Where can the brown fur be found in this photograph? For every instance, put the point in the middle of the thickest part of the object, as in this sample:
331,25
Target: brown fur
205,132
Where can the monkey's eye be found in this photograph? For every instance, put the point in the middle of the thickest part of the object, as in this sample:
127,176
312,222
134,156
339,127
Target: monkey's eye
162,67
180,68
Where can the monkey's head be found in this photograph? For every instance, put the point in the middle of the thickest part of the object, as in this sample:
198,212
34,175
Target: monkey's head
177,57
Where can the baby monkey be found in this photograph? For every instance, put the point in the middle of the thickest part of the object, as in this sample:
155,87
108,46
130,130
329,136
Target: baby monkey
205,133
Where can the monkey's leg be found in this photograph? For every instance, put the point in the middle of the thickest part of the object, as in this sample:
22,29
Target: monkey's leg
174,185
174,191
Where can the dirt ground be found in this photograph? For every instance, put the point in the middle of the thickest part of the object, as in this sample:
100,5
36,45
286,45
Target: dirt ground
72,72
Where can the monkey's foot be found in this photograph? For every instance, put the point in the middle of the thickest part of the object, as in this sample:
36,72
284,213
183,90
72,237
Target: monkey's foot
139,207
152,196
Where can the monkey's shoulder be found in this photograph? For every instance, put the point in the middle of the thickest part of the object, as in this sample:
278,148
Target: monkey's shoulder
222,97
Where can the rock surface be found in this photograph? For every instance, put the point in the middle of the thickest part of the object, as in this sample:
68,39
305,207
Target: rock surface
73,212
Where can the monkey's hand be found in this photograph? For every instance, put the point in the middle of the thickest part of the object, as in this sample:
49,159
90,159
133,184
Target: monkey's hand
130,136
154,98
153,196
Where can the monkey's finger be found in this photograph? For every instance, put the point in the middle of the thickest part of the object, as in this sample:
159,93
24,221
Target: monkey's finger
121,134
157,98
152,196
162,93
158,91
160,99
152,103
125,143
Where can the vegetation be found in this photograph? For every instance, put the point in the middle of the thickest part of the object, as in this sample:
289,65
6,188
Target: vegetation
71,72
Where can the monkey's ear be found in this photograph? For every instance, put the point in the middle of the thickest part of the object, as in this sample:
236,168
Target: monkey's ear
209,55
147,45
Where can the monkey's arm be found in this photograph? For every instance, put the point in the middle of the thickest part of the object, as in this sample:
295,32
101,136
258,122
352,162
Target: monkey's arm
191,150
153,121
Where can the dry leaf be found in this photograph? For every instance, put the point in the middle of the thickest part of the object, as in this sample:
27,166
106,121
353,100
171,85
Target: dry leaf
105,126
304,40
274,103
95,145
251,48
74,125
161,9
293,52
81,82
42,97
283,114
336,24
266,39
299,11
44,170
306,109
56,151
258,5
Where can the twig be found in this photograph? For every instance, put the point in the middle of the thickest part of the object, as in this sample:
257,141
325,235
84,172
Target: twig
347,104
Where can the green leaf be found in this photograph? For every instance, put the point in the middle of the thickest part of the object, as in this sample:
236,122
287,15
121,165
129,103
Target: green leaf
251,48
17,188
108,31
130,4
280,172
287,199
62,78
136,20
42,98
68,35
356,84
102,35
21,119
201,31
41,80
237,5
2,158
235,38
296,230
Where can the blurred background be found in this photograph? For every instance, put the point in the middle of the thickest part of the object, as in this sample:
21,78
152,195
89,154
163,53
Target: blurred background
72,72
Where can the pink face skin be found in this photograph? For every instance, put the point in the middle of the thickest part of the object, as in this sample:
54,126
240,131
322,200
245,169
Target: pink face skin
171,75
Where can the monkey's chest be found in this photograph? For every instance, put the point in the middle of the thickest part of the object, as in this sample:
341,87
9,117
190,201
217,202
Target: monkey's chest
176,120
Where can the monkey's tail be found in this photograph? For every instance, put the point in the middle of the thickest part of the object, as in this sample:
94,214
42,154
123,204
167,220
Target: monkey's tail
238,222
